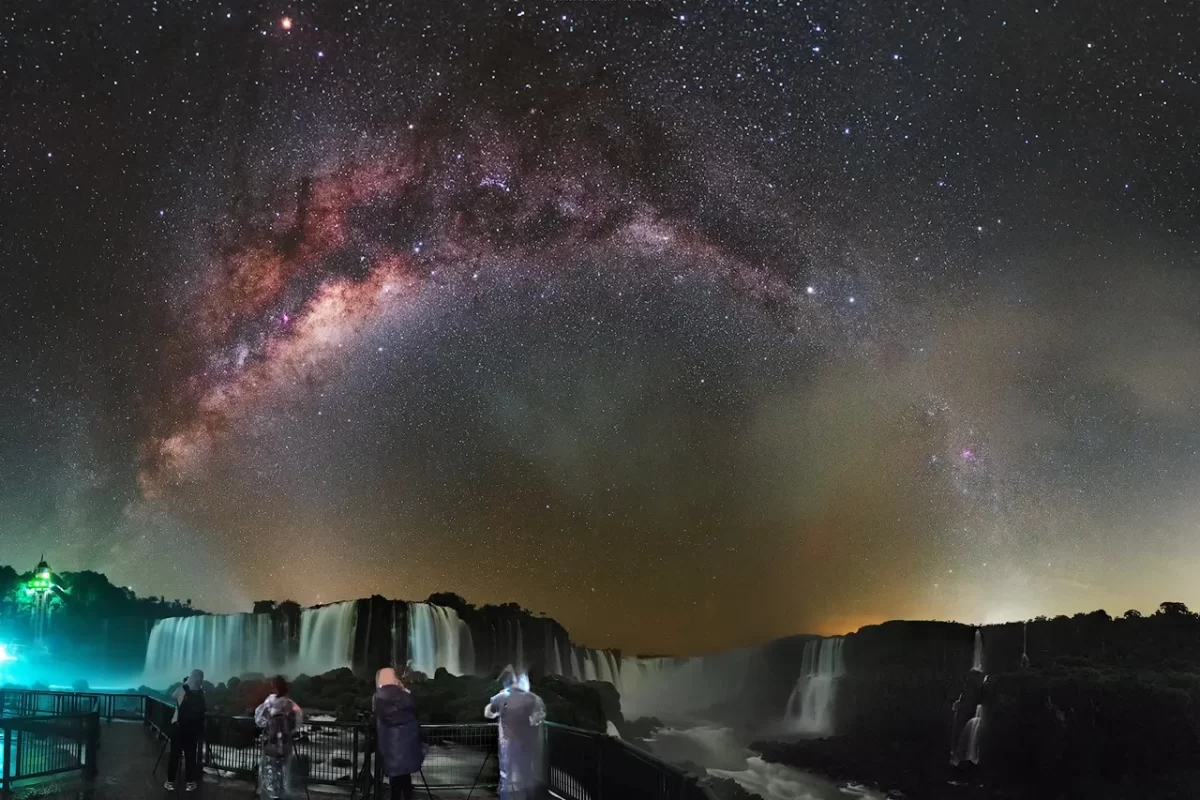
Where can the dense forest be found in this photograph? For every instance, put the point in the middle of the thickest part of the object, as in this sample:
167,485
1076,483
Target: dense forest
86,594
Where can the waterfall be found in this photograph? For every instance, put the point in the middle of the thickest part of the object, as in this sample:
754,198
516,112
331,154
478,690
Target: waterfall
438,638
968,746
1025,645
576,672
597,665
810,708
326,638
589,666
682,688
977,657
224,646
555,656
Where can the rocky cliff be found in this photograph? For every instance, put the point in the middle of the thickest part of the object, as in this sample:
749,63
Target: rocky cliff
1080,706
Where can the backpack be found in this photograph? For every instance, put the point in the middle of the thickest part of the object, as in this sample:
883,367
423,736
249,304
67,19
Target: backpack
281,730
192,707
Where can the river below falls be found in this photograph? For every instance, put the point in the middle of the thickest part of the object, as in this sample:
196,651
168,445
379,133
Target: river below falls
724,755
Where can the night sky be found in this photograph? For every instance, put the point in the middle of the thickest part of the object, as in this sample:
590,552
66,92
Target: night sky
687,324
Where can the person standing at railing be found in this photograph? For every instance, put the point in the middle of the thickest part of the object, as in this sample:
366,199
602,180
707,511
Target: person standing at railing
187,732
521,714
280,718
400,751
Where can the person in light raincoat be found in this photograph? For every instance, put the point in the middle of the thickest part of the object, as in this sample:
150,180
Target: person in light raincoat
521,714
280,718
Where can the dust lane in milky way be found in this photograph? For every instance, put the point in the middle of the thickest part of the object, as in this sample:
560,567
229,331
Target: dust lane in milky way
690,325
350,243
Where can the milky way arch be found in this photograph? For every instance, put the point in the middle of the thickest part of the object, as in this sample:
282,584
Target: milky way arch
358,239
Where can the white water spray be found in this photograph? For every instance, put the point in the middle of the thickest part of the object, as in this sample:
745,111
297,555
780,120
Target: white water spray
326,638
438,638
977,657
810,708
968,746
224,646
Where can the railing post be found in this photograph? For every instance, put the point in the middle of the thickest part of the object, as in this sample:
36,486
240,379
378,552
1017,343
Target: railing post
92,744
354,760
4,757
599,767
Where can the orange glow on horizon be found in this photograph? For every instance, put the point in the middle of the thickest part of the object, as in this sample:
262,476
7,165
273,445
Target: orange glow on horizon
839,626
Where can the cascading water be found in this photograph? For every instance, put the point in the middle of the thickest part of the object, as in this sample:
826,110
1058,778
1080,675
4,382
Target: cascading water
224,646
1025,645
437,638
682,688
576,671
977,656
597,665
968,746
810,708
326,638
555,656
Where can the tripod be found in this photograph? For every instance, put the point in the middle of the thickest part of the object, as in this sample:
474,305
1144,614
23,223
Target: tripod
369,780
200,740
486,755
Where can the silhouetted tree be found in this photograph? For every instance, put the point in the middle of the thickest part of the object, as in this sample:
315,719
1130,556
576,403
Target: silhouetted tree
1132,613
289,608
450,600
1174,610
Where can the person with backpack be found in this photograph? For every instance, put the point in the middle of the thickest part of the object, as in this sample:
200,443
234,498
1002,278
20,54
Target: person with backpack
280,718
188,732
397,731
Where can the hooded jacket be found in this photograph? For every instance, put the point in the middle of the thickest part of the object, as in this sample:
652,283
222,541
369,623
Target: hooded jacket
275,705
400,748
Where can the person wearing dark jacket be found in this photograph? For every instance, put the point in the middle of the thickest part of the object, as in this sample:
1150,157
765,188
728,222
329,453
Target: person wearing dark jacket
188,732
399,736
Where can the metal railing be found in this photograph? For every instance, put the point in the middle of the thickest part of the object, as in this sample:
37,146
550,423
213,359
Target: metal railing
31,703
38,746
580,764
337,753
586,765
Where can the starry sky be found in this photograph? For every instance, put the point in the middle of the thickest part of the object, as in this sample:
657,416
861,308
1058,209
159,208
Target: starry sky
689,324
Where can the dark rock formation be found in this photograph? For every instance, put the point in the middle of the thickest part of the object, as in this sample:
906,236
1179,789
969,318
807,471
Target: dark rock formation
443,698
1085,706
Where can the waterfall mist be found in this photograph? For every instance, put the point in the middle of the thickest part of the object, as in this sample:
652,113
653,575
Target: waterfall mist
230,645
810,709
326,638
437,638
